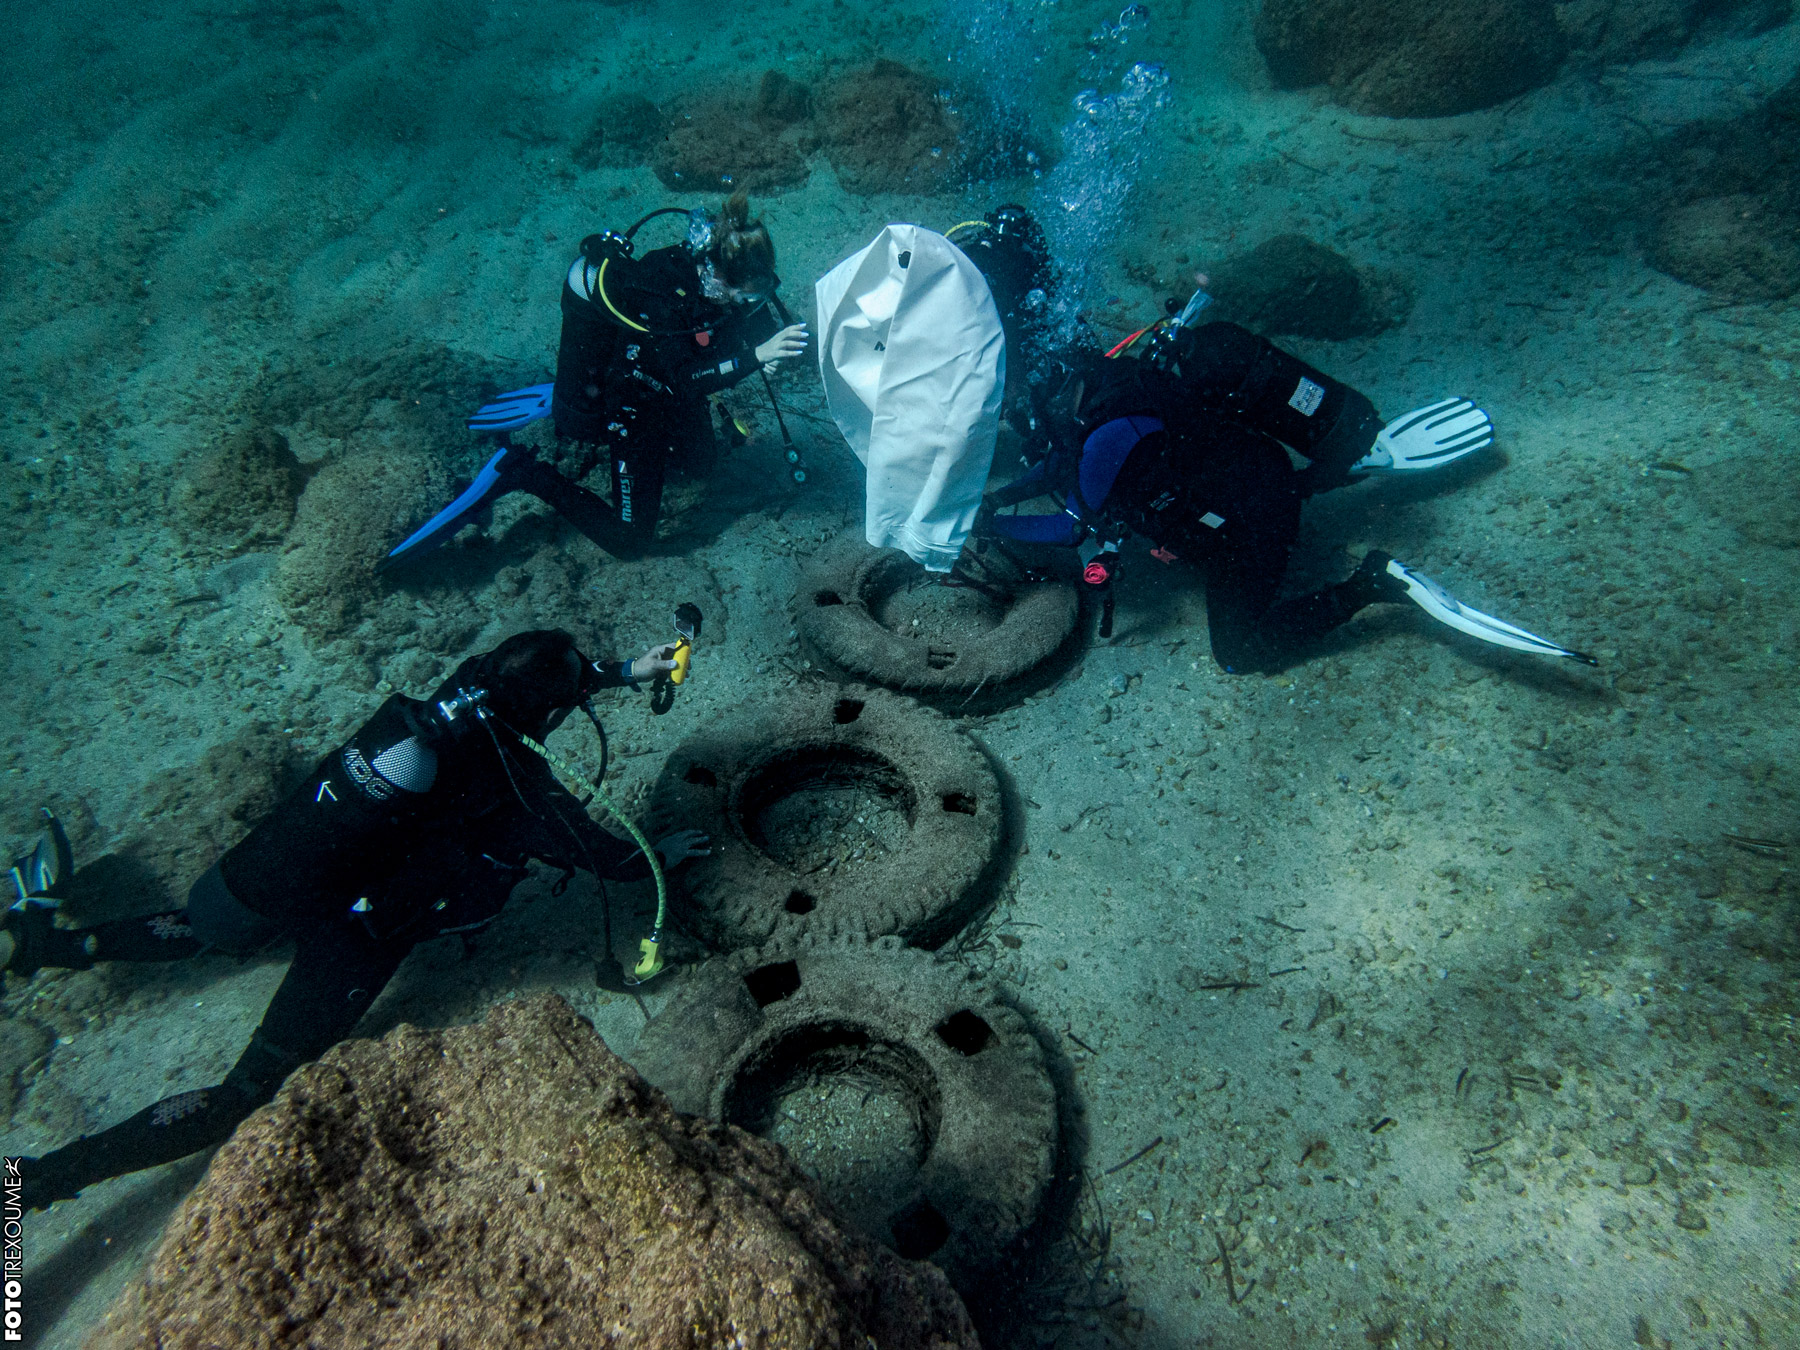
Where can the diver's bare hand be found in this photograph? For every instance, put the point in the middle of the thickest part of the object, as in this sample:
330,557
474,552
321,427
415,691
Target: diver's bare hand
681,845
789,342
659,660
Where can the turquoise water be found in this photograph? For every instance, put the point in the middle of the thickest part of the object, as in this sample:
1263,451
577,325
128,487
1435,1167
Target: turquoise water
1539,918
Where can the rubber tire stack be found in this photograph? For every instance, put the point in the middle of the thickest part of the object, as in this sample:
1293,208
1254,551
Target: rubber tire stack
836,605
989,1163
740,896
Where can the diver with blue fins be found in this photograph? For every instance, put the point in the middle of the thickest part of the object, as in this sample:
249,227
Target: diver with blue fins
646,340
419,826
1183,443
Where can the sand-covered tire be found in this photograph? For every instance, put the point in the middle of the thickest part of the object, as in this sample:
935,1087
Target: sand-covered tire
856,607
743,1032
830,812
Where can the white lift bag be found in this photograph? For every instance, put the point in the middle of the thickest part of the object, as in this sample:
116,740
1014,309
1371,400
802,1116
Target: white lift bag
914,363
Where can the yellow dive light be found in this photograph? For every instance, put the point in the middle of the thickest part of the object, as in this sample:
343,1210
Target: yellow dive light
687,629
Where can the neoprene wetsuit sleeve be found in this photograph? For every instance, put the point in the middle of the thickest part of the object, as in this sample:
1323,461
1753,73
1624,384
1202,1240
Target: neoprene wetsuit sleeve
1258,385
716,371
611,675
1061,529
567,836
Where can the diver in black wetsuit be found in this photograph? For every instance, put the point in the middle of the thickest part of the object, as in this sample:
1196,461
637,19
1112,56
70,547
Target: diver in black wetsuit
645,340
1184,446
420,825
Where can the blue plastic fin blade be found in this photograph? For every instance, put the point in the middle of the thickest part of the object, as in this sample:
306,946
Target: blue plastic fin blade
446,522
511,411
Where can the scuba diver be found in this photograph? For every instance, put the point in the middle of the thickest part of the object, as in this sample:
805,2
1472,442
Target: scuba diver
1184,445
645,341
420,825
1009,248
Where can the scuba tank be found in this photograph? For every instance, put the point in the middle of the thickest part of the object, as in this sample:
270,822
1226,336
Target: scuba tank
354,818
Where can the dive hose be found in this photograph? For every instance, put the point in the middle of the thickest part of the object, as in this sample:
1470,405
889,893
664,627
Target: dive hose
650,961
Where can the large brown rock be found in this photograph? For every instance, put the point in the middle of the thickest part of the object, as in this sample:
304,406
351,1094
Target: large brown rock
1726,206
1411,58
1290,286
354,510
511,1184
723,140
241,491
1740,246
886,130
1630,30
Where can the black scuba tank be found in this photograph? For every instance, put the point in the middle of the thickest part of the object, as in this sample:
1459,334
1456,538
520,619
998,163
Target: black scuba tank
1225,369
351,822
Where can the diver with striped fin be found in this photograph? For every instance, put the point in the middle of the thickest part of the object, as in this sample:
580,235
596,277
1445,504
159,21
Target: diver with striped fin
1187,443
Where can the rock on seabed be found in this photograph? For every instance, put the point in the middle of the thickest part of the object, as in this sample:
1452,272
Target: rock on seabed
512,1184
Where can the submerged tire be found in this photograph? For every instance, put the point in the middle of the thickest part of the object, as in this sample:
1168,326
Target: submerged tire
863,814
856,609
741,1033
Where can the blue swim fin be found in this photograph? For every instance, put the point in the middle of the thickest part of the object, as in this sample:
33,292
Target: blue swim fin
453,517
511,411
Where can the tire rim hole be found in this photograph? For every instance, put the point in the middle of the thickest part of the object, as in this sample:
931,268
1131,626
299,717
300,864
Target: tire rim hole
824,598
701,776
820,808
799,902
965,1032
919,1230
960,803
847,711
858,1114
771,984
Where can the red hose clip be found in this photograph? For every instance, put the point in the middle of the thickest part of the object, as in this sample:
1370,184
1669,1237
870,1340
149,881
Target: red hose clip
1096,573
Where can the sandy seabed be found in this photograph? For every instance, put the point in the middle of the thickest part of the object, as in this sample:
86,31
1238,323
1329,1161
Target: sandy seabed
1504,1051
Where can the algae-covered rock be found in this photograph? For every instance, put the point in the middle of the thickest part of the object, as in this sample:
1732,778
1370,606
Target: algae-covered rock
241,491
353,512
511,1184
781,101
1741,246
1630,30
345,386
623,134
1727,213
885,129
187,817
1292,286
1411,58
725,141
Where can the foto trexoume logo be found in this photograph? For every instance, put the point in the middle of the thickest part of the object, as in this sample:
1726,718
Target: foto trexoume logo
12,1266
